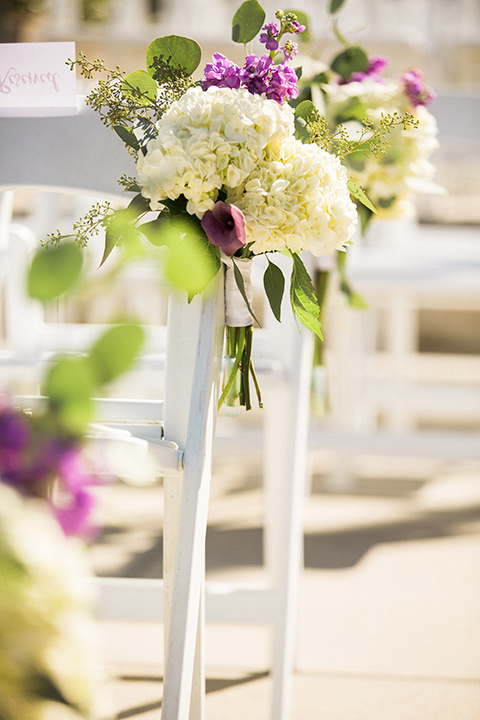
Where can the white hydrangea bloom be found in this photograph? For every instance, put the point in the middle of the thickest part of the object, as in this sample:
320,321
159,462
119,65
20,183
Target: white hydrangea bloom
297,198
292,195
391,179
208,140
45,621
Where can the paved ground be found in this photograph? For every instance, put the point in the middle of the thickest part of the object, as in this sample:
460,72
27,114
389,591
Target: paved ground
390,600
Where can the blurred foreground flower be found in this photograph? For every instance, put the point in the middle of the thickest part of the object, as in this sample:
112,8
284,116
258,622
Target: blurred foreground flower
39,462
48,665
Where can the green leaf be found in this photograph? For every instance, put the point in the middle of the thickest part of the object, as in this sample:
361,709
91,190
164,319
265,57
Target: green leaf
177,51
303,112
353,59
54,270
111,240
116,351
42,686
360,195
154,230
302,296
364,215
140,85
247,21
241,286
355,300
274,284
70,385
127,135
352,109
335,6
192,263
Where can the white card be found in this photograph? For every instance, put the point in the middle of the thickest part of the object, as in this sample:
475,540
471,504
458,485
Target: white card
35,81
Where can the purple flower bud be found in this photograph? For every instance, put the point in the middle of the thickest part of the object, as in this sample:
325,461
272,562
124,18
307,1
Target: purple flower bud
415,88
225,227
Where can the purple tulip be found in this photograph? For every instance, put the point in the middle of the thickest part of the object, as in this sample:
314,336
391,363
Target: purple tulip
225,227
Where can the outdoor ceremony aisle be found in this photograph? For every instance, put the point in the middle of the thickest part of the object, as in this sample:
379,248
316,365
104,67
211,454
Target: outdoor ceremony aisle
389,603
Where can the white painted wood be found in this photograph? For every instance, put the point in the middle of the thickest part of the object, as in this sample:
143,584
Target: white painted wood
188,574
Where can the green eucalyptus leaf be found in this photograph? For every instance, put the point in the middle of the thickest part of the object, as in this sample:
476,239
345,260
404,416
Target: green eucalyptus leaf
115,351
154,230
352,109
192,261
360,195
127,135
54,271
303,111
335,6
274,284
177,51
70,385
303,299
247,21
353,59
140,85
241,286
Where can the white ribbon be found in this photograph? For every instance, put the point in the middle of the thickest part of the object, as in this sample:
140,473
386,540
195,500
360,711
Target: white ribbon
237,313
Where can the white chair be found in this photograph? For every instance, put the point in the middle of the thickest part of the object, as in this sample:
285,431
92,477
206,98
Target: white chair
79,154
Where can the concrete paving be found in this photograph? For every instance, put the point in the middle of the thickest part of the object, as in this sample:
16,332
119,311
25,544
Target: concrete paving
389,608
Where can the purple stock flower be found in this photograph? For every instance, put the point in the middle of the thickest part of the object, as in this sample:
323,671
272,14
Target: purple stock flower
221,73
74,512
283,83
289,50
376,65
225,227
256,73
269,36
295,27
34,462
415,88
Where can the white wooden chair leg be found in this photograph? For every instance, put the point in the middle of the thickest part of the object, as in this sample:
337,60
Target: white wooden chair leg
189,572
286,478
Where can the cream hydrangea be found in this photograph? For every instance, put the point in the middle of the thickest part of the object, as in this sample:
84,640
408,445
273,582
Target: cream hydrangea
297,198
292,195
46,631
208,140
391,179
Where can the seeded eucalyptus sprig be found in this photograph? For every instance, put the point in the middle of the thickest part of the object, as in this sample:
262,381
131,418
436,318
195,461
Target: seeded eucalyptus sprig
371,139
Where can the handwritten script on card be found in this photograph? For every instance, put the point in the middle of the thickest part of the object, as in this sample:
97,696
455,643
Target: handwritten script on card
35,81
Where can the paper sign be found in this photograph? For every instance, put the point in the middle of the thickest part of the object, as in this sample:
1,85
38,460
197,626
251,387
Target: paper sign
35,81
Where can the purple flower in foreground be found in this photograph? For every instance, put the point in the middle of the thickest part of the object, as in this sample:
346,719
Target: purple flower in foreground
225,227
221,73
74,512
415,88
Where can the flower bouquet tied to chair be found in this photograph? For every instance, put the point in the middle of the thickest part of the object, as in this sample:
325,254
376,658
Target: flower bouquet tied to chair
225,172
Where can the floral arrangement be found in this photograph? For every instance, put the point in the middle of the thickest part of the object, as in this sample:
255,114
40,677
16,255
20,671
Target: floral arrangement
47,636
226,171
355,97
